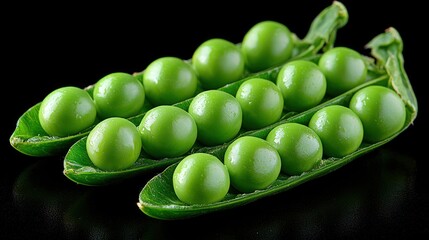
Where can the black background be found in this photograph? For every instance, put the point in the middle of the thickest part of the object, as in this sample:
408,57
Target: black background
381,195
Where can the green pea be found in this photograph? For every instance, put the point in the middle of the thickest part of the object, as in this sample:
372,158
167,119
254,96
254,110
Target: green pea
381,110
67,111
114,144
261,102
167,131
267,44
302,84
344,69
169,80
218,116
201,178
339,128
118,94
217,63
253,164
299,147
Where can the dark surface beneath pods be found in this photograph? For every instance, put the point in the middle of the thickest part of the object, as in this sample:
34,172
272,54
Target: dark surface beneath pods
382,194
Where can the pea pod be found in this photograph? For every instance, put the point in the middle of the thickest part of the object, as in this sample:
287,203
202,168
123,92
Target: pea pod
29,137
157,198
79,168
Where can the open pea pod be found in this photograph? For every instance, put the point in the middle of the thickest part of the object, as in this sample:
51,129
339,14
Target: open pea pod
157,198
79,168
29,137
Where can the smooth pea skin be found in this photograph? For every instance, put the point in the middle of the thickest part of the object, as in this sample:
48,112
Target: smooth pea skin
118,94
339,129
267,44
381,110
302,84
217,63
167,131
299,147
344,69
169,80
218,116
114,144
67,111
261,103
201,178
252,163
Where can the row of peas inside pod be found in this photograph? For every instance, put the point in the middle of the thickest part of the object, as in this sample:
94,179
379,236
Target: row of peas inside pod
166,80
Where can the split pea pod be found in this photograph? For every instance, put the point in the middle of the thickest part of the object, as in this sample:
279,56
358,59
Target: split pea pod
30,138
158,199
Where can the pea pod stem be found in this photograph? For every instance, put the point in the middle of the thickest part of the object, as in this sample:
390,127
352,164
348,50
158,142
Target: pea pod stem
30,139
387,48
157,198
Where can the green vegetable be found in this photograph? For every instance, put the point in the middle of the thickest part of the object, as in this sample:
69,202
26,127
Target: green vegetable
344,69
218,62
252,163
339,128
29,138
302,84
218,116
78,167
114,144
167,131
201,178
67,111
267,44
300,148
118,95
158,200
381,110
169,80
259,97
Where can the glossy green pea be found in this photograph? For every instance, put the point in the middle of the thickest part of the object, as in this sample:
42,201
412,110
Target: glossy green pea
201,178
67,111
252,163
114,144
218,116
299,147
267,44
118,94
261,102
339,128
217,63
344,69
302,84
167,131
169,80
381,110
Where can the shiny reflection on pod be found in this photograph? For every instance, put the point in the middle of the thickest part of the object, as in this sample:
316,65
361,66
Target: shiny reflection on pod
41,194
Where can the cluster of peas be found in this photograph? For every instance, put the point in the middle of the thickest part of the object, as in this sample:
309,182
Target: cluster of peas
215,117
